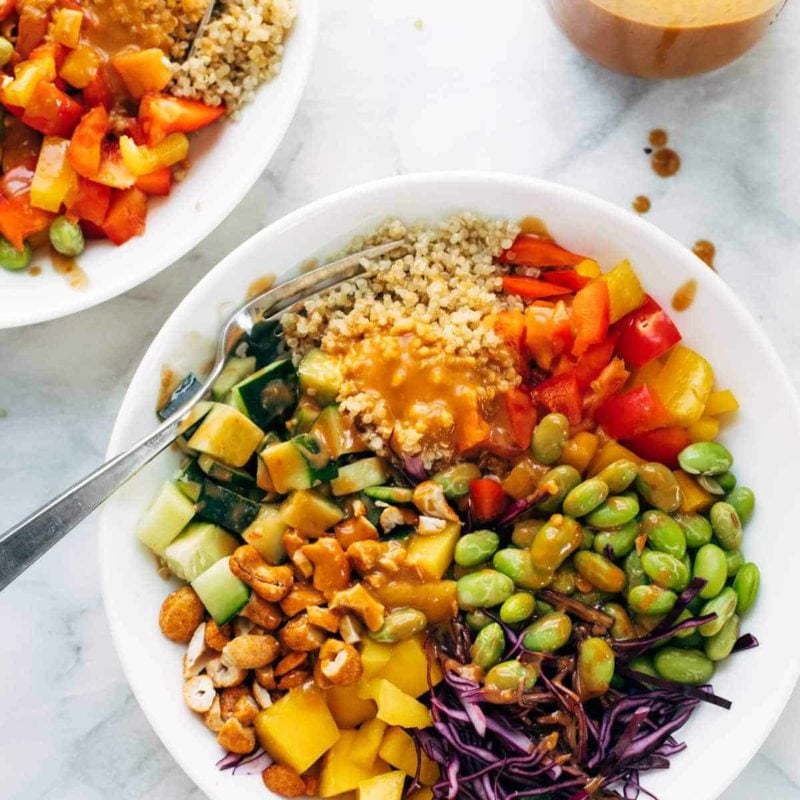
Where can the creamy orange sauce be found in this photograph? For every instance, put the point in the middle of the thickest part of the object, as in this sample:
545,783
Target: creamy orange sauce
534,225
705,251
684,295
68,267
259,286
167,385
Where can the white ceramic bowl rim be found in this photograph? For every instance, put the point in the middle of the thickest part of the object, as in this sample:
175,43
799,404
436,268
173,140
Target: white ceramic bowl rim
381,191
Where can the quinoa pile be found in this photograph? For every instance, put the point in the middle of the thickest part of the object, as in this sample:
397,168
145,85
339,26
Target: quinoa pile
439,295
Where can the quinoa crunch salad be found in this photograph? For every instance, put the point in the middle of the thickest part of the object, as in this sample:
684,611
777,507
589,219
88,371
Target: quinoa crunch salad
459,528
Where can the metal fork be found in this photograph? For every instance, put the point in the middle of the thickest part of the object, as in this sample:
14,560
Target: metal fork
201,28
23,544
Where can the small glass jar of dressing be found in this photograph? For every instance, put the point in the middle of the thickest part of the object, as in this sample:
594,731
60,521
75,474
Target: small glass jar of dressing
664,38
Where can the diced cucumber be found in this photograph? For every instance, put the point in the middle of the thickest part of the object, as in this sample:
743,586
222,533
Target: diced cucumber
236,479
359,475
199,546
263,478
168,515
227,435
224,507
310,512
389,494
269,395
185,390
303,418
265,533
339,435
235,370
265,342
194,418
317,457
190,480
287,467
320,376
221,592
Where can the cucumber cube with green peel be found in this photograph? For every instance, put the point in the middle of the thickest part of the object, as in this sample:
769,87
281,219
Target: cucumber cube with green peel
199,546
221,592
168,515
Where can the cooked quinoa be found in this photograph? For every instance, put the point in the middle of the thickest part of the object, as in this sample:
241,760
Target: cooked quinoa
436,299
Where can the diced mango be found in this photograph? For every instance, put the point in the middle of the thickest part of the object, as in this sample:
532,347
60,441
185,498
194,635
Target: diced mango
374,657
298,729
610,452
407,667
432,555
589,268
579,450
399,750
339,774
388,786
66,26
364,748
625,292
693,496
348,709
646,374
228,435
395,707
705,429
435,599
721,402
143,71
684,385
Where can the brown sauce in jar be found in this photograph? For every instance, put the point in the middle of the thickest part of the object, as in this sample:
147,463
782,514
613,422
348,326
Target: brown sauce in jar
684,295
705,251
641,204
68,267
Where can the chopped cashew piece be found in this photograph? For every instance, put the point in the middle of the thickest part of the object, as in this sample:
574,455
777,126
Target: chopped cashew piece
228,698
302,564
293,679
262,695
299,634
429,498
324,618
290,661
269,583
217,636
363,603
300,598
224,676
265,677
198,654
339,664
355,529
350,629
181,613
283,780
267,615
364,556
392,517
213,717
246,709
250,652
235,738
199,693
428,526
331,567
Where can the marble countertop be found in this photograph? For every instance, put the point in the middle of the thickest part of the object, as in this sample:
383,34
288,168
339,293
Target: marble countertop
397,86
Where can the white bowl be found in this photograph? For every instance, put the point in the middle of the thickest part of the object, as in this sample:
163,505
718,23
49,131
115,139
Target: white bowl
226,161
765,437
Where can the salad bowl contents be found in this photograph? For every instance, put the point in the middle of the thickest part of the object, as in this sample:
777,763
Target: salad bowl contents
461,527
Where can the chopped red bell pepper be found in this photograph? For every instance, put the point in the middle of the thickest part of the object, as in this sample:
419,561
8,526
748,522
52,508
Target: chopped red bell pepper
52,112
31,29
487,499
661,445
126,215
157,183
162,114
90,202
532,251
592,362
633,412
86,145
646,333
19,219
568,278
561,393
97,92
521,415
590,314
532,288
6,8
92,231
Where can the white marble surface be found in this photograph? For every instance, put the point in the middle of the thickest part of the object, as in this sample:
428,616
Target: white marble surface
473,88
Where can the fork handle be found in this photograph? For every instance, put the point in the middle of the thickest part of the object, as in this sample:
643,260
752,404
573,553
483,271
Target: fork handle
30,539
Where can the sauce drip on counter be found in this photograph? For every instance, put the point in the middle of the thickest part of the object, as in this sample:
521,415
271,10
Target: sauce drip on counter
665,162
534,225
705,251
35,270
641,204
68,267
684,295
658,137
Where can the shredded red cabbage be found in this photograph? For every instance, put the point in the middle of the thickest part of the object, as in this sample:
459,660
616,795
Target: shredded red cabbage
250,764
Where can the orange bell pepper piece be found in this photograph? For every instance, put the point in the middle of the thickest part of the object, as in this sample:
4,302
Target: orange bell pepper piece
157,183
143,71
126,215
86,145
31,29
162,114
521,415
19,219
487,499
97,92
89,201
54,177
590,315
529,250
51,111
532,288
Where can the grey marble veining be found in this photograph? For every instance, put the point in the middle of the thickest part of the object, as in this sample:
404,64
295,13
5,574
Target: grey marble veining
484,86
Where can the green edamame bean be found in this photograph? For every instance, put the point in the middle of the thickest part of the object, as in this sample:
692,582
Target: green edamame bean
564,579
623,625
726,525
543,608
477,620
618,475
727,481
663,533
634,573
483,589
690,667
518,608
687,633
696,529
595,667
548,633
665,570
489,646
13,259
518,565
705,458
620,540
585,497
476,548
549,437
510,675
651,600
614,512
66,237
455,480
720,645
554,542
735,561
588,540
6,51
746,585
599,571
643,664
724,606
658,486
743,500
711,565
524,531
593,598
403,623
558,483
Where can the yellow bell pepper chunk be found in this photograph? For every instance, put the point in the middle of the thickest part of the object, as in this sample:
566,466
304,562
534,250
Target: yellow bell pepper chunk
374,657
54,177
395,707
589,268
80,66
610,452
407,667
348,709
143,71
298,729
143,159
27,76
684,385
388,786
432,555
706,429
399,750
721,402
645,375
66,26
625,292
579,450
693,496
339,773
364,748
